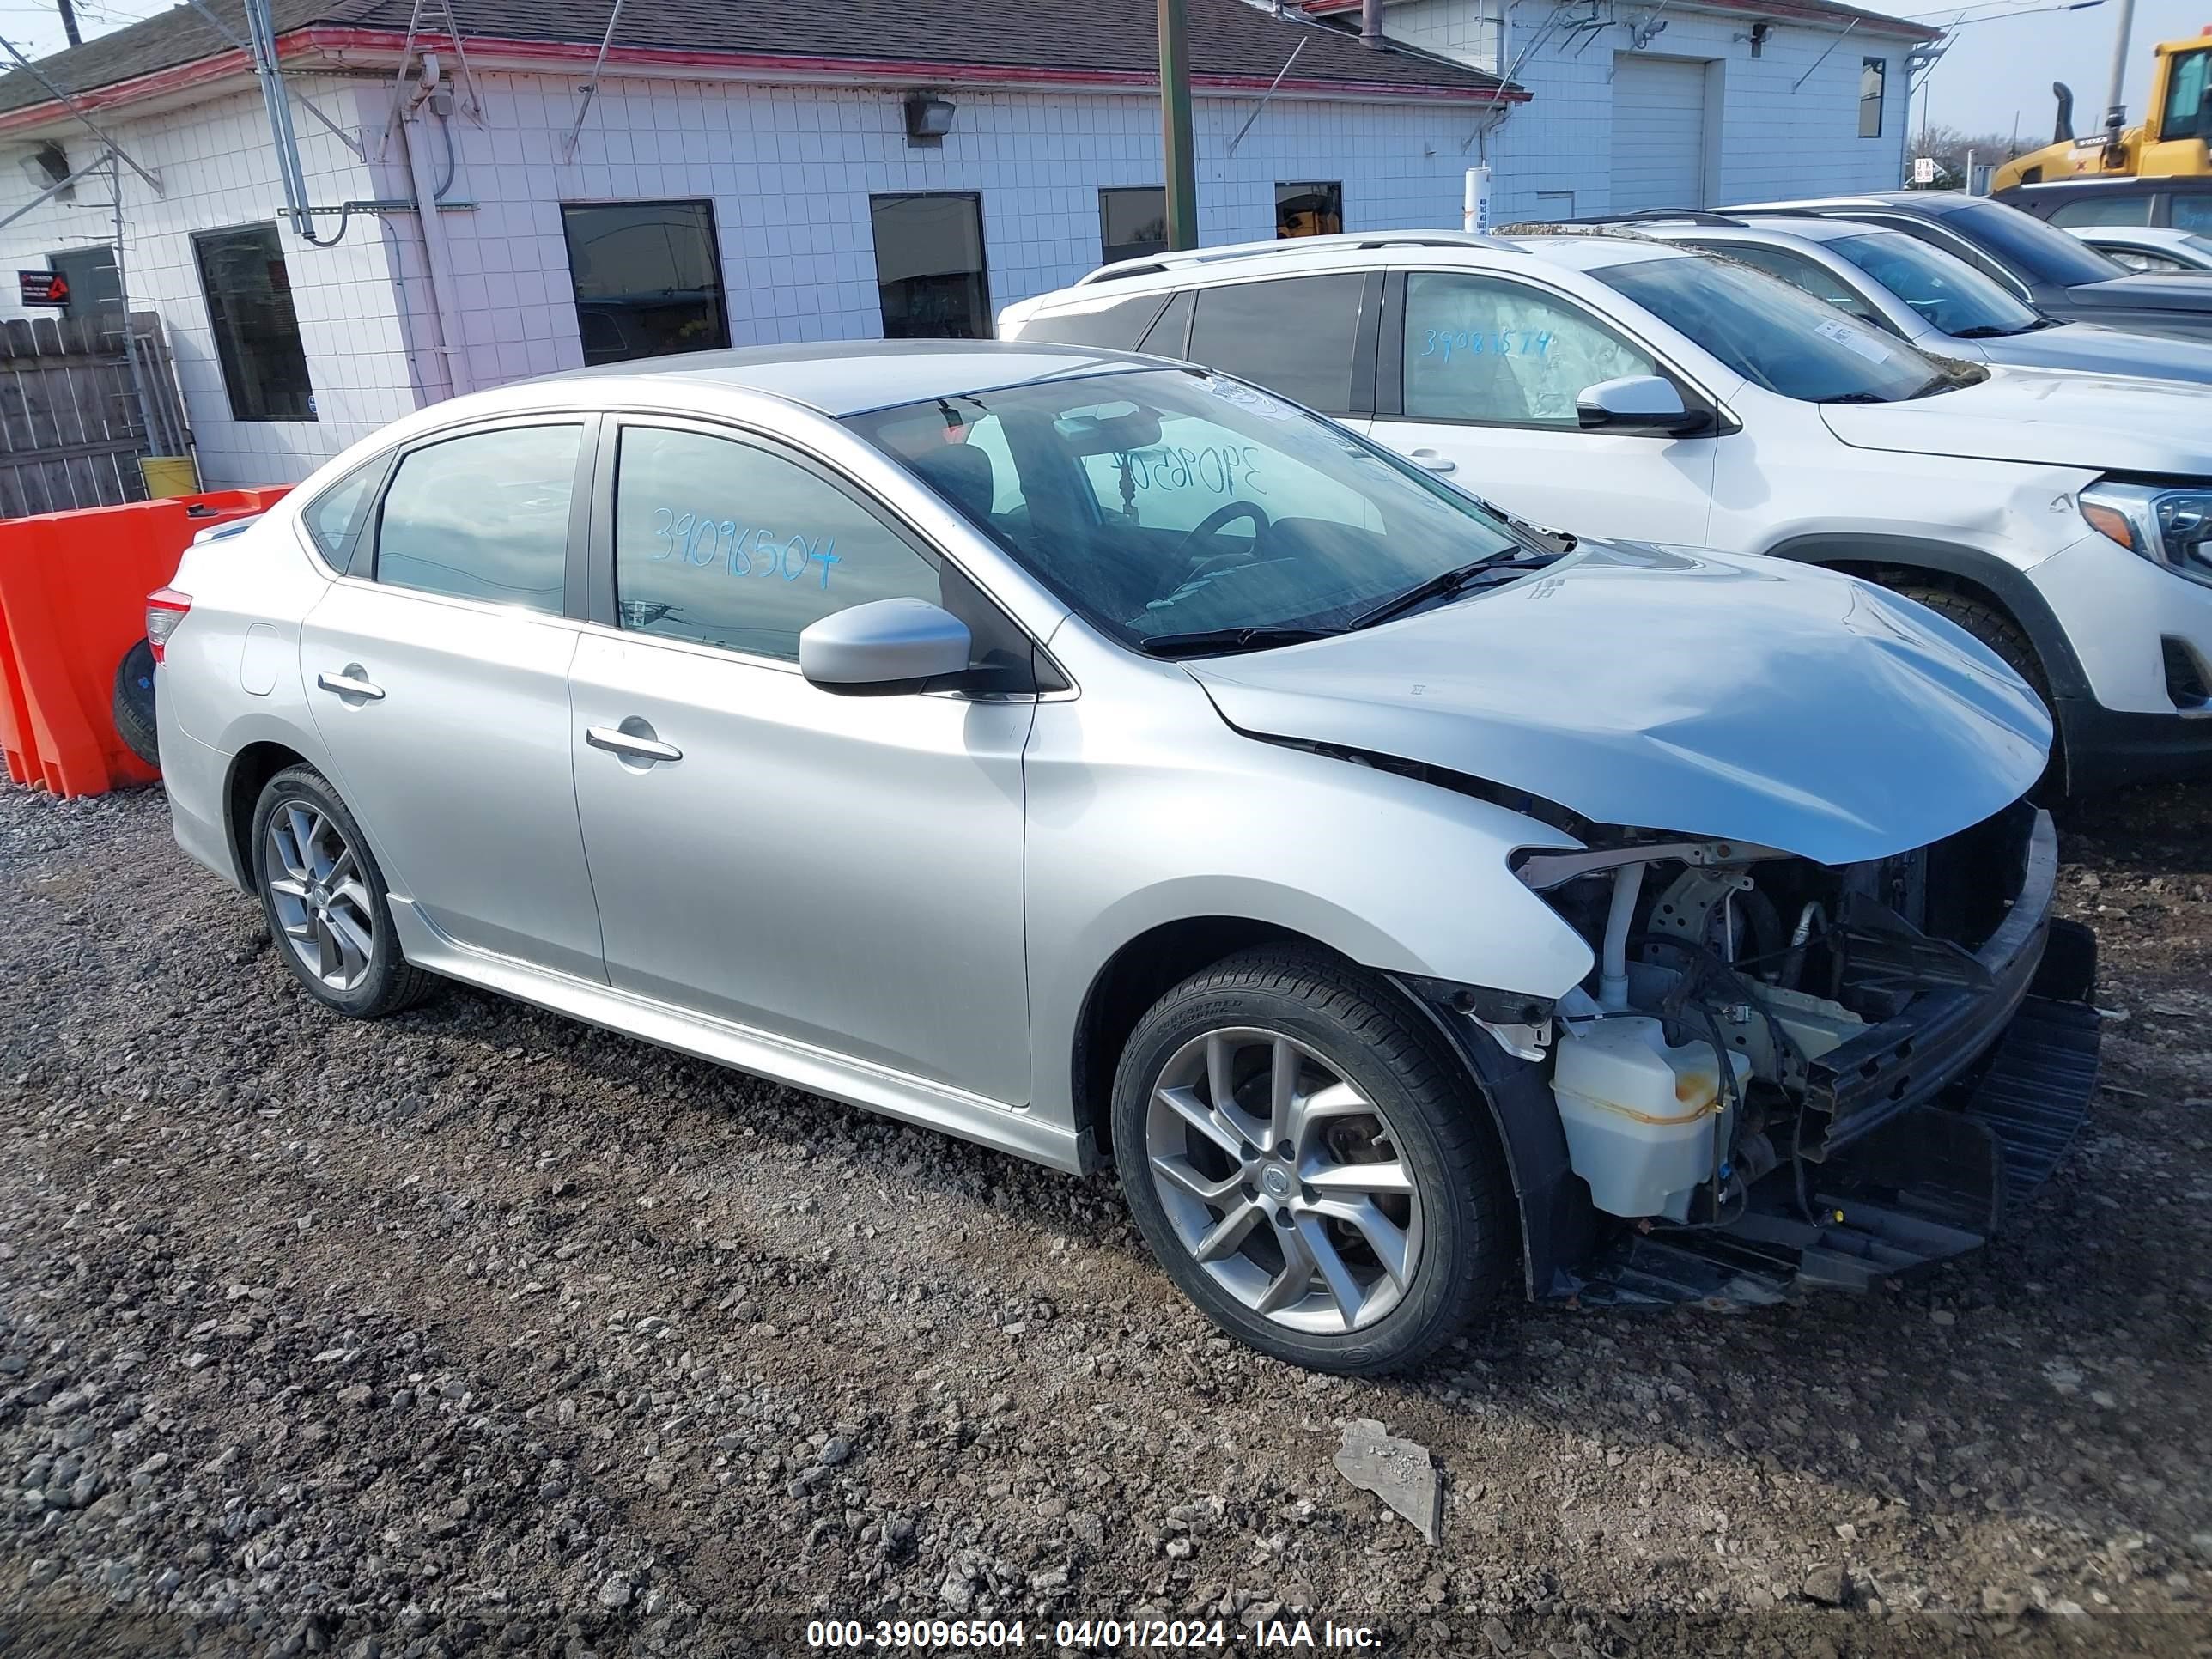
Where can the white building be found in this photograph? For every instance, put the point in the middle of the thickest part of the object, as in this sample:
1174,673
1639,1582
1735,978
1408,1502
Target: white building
731,175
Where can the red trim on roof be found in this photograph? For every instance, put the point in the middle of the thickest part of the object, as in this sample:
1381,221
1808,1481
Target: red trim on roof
1791,10
901,72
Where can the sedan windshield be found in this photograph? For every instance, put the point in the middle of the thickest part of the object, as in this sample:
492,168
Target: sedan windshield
1948,293
1779,336
1187,513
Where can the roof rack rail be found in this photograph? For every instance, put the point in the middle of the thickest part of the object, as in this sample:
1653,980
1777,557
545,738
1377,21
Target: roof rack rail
1154,264
1665,216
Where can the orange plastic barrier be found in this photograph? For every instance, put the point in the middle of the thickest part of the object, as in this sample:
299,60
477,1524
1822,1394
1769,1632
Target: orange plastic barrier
73,590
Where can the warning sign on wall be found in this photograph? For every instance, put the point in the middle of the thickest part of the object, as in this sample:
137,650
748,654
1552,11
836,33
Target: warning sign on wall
43,287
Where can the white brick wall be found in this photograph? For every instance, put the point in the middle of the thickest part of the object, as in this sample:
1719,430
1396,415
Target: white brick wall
789,171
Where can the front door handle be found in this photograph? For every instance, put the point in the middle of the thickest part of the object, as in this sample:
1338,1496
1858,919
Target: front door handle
1434,462
631,745
350,683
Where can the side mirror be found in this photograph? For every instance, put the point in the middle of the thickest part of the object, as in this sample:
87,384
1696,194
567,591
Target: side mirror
883,649
1636,402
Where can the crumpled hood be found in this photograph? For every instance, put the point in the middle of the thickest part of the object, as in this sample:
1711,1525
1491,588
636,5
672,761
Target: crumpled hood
1738,698
2091,347
2100,422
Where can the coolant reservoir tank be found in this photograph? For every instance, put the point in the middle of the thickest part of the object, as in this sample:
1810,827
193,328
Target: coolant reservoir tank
1640,1115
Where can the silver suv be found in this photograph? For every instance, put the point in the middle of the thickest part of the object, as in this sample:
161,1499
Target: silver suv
1087,756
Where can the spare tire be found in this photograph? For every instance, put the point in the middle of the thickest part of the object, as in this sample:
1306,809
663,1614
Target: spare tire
134,703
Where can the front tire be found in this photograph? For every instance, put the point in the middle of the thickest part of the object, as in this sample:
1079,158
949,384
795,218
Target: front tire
1310,1165
1998,631
325,900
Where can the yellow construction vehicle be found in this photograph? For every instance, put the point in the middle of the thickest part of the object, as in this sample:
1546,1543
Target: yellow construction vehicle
2170,143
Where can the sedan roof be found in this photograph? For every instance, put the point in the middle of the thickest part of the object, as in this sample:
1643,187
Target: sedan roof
847,376
1925,201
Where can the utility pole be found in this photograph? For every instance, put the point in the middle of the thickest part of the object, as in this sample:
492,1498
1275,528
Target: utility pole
1175,141
68,23
2115,111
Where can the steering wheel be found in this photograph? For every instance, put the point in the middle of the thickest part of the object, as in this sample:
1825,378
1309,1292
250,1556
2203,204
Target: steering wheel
1214,522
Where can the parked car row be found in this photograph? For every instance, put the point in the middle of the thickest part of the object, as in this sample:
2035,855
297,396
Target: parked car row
1143,740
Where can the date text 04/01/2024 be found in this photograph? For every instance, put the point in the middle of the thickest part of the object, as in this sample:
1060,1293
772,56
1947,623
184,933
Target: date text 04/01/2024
1138,1635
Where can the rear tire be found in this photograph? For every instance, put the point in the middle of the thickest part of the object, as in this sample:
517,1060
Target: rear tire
1349,1212
133,704
1998,631
327,906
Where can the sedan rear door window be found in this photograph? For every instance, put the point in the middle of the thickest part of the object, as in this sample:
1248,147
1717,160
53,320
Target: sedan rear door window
484,516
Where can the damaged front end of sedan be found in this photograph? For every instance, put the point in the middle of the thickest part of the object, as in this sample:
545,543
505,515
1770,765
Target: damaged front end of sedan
1787,1073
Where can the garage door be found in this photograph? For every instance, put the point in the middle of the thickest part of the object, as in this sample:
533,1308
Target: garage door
1658,134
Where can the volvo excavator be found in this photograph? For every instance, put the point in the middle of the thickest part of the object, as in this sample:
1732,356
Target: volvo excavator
2172,142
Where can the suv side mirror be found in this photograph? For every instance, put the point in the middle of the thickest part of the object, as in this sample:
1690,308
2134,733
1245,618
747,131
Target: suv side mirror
1636,402
883,649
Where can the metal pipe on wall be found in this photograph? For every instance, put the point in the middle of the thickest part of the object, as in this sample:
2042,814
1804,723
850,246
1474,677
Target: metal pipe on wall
437,264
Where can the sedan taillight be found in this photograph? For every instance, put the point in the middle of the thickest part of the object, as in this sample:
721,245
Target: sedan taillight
165,609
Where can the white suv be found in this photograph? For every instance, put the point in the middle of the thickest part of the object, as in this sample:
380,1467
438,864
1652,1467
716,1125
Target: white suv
1614,386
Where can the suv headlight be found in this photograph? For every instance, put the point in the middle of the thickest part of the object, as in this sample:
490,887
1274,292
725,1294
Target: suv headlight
2171,526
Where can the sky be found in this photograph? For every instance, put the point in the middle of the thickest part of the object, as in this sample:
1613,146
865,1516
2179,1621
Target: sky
2002,58
1999,68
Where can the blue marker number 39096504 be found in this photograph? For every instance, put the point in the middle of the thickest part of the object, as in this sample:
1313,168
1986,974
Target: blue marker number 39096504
702,540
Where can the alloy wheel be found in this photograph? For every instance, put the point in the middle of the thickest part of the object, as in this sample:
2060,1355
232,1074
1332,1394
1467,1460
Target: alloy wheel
1283,1180
322,904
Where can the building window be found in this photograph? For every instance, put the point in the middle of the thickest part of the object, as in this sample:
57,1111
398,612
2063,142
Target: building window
1133,224
1873,71
94,290
929,267
1309,209
257,333
647,277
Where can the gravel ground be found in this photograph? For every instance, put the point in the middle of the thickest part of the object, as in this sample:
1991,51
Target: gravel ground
483,1332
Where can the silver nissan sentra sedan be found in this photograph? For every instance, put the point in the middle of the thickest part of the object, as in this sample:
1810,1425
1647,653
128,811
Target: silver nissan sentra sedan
1100,758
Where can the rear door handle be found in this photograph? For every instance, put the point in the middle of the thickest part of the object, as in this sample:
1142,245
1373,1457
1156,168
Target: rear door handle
351,684
1434,462
631,745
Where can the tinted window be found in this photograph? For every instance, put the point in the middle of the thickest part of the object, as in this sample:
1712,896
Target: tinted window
1774,335
929,267
1313,207
483,517
1950,294
2021,241
1478,348
1873,72
1170,336
734,545
257,333
334,519
1310,524
1133,224
2103,209
1119,326
1297,336
647,278
2192,210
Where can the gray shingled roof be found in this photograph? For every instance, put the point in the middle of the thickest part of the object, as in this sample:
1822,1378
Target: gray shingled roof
1227,37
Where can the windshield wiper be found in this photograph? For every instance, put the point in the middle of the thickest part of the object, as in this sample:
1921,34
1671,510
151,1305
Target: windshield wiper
1853,398
1447,582
1212,642
1987,331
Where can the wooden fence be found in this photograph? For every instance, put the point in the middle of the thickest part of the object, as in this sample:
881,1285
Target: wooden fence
74,417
